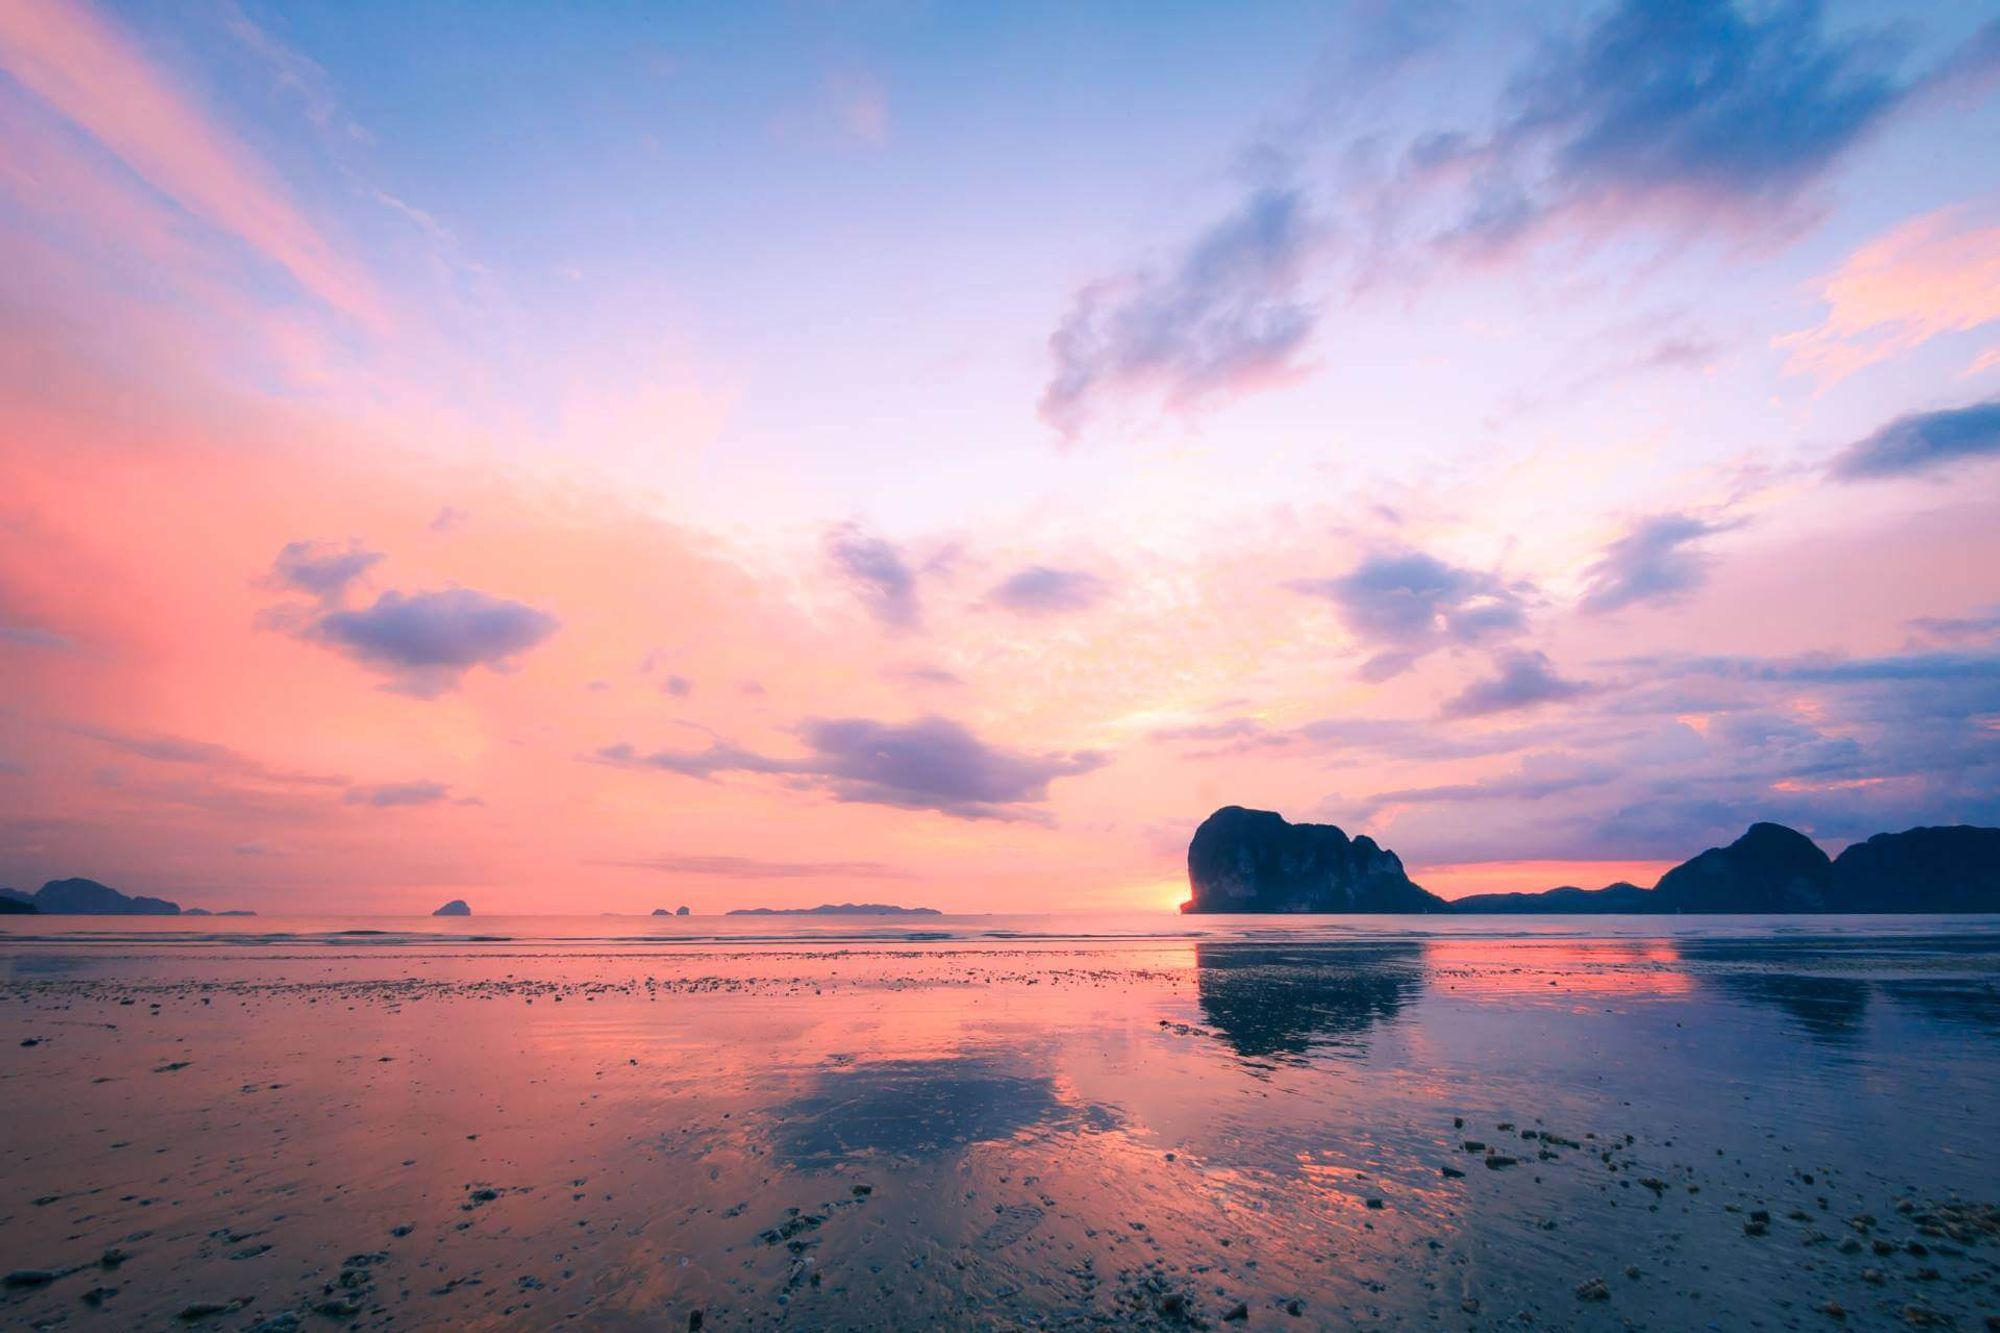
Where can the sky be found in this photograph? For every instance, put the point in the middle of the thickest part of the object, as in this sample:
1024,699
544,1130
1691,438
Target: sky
631,455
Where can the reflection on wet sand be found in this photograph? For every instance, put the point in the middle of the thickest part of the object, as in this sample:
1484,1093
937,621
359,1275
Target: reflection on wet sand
1825,990
1271,1002
1959,1001
1827,1009
1405,1132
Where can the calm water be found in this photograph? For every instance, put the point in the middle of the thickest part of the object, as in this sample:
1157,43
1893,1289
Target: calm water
1059,1121
1079,926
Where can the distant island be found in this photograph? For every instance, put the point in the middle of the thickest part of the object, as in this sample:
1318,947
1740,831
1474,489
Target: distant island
456,907
837,909
678,911
86,897
1256,861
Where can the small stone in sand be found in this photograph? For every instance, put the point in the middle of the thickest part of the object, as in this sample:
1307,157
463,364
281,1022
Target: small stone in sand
194,1310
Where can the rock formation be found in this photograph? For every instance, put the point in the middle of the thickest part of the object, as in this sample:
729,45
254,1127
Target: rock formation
1254,861
1770,868
1952,869
456,907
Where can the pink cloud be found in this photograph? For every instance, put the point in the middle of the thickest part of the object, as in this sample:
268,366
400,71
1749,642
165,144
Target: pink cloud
1931,276
92,74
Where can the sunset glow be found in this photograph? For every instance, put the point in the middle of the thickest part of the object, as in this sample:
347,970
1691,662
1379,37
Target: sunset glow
599,460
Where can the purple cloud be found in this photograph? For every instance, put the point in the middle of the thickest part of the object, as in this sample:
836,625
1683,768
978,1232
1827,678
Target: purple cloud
320,569
426,641
1523,680
397,794
34,636
1700,107
1924,442
1040,590
932,763
1408,603
1887,742
166,749
878,573
1985,625
1231,313
1651,563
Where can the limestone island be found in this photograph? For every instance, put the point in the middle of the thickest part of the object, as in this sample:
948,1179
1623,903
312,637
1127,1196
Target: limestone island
1255,861
86,897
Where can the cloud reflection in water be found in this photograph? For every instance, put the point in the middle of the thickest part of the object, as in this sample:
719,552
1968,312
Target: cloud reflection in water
916,1109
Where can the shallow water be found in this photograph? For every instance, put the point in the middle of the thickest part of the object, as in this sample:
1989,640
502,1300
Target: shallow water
1063,1122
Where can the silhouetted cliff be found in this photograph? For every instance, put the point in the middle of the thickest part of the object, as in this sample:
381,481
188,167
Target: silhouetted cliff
1770,868
1255,861
1953,869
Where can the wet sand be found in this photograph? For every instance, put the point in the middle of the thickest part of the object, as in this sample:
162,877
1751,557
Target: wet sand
1456,1131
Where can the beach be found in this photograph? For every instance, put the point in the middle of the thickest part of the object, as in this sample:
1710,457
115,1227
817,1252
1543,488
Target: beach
606,1123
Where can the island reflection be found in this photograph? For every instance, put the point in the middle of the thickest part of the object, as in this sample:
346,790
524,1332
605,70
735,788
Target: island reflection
1277,1002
